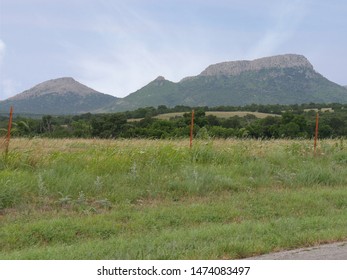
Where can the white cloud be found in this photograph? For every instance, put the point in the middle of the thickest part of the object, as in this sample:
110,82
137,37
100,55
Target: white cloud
287,16
2,51
128,69
3,88
135,50
8,88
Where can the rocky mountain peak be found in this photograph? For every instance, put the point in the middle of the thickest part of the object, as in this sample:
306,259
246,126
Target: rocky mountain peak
233,68
65,85
159,81
160,78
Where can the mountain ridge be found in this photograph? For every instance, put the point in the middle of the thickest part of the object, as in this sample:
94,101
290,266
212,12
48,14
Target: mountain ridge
232,68
281,79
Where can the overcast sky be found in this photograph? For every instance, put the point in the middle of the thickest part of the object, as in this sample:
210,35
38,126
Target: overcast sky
117,47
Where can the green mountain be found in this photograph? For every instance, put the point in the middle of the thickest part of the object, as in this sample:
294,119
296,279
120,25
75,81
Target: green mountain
282,79
157,92
57,97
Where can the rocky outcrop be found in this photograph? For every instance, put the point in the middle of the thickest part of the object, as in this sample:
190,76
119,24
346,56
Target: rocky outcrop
160,78
233,68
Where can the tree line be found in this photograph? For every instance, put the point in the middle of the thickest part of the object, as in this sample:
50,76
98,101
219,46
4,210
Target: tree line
292,121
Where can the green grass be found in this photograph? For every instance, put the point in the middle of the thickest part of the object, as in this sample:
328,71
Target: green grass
142,199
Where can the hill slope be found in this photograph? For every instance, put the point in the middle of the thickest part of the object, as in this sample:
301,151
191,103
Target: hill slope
157,92
282,79
58,96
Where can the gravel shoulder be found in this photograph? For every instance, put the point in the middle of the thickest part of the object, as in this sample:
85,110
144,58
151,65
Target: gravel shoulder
334,251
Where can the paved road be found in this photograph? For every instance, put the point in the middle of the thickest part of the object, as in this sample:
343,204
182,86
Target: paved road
335,251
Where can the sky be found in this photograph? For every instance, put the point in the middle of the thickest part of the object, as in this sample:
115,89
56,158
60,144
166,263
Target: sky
117,47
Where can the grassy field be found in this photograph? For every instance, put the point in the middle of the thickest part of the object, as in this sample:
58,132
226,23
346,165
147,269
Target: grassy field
147,199
218,114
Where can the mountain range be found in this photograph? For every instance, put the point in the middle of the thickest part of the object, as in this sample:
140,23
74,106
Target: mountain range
281,79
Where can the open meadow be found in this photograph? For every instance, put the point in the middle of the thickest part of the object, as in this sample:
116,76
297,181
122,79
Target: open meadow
218,114
158,199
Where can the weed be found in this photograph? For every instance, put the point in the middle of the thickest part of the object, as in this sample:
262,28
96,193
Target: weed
133,170
41,187
64,200
104,203
98,183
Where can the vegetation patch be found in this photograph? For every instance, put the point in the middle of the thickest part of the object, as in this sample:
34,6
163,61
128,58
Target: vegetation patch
159,199
251,121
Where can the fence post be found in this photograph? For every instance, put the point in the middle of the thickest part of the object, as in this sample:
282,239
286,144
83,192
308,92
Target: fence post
316,134
191,130
8,136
